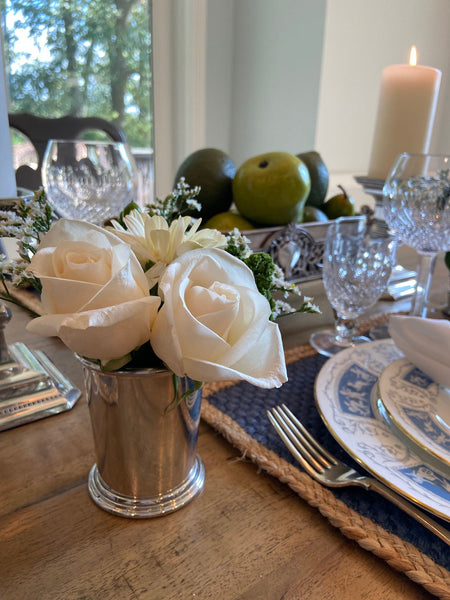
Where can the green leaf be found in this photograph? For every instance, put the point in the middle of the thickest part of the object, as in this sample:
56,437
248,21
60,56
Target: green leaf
177,401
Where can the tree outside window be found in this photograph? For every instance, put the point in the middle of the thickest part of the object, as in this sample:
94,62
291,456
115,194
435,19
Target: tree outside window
81,58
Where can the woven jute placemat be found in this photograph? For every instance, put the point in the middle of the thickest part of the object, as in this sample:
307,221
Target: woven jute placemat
400,554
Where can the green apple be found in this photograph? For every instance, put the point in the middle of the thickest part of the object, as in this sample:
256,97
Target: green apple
271,189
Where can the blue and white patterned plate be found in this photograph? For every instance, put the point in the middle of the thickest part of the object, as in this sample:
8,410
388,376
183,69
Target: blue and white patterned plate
343,391
418,407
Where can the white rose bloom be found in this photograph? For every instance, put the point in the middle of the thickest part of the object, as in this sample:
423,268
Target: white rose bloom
214,324
94,291
154,241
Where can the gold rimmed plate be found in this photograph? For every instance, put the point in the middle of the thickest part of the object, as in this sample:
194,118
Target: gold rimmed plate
344,388
418,407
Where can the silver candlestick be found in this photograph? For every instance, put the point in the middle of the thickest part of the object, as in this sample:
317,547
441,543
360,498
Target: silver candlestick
373,187
5,317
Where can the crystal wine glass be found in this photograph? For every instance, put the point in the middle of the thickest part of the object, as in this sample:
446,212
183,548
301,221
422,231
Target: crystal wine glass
417,209
358,257
89,180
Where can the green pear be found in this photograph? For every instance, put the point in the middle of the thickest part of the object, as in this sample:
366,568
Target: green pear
340,205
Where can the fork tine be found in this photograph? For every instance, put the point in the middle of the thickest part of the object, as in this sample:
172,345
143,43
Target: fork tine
313,444
290,442
308,450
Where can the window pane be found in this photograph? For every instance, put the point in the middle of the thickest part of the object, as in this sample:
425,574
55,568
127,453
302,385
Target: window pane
82,58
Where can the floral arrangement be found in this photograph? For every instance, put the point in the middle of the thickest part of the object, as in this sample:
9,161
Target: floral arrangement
152,289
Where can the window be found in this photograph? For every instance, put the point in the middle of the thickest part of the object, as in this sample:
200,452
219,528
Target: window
81,58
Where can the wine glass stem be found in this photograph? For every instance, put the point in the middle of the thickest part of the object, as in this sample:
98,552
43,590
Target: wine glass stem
424,277
345,330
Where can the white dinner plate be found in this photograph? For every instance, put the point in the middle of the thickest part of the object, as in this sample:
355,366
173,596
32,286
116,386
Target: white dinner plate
418,407
343,390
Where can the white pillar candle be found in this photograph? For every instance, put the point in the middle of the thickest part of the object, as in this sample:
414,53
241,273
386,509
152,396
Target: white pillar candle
7,177
406,110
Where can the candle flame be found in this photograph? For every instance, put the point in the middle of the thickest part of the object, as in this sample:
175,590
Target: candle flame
413,56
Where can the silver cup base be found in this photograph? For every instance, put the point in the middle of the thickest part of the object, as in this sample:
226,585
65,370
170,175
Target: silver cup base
141,508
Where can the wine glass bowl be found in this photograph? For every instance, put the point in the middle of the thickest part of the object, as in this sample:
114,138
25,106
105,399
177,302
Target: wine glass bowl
89,180
357,262
417,209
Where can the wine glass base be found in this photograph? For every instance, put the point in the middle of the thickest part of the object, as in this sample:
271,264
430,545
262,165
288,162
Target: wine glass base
325,342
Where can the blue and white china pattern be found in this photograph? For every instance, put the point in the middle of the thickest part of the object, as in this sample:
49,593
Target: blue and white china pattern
417,406
344,388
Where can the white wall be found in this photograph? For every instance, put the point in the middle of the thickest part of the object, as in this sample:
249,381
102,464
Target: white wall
361,38
265,58
219,73
263,73
287,75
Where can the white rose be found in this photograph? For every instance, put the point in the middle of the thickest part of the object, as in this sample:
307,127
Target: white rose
94,292
214,324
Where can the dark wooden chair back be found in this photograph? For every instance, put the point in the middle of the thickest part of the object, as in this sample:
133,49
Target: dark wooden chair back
40,129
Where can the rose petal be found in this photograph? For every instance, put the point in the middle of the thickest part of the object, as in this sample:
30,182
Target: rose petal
42,262
263,365
105,334
176,329
63,296
216,307
128,282
82,261
73,230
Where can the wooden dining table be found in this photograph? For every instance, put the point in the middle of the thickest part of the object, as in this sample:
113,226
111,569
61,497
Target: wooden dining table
247,536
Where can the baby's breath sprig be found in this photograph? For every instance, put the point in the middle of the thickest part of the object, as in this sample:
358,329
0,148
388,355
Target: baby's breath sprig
284,289
238,244
181,202
27,223
269,277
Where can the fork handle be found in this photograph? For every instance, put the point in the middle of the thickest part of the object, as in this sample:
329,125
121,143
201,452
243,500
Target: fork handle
409,508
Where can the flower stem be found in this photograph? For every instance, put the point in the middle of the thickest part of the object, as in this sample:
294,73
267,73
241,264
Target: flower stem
9,298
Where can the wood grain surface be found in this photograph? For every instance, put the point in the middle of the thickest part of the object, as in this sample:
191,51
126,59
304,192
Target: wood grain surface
246,537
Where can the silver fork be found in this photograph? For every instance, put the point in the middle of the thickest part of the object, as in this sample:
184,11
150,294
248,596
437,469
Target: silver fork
331,472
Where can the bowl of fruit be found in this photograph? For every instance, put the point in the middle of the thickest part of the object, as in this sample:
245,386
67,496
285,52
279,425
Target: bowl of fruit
278,200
